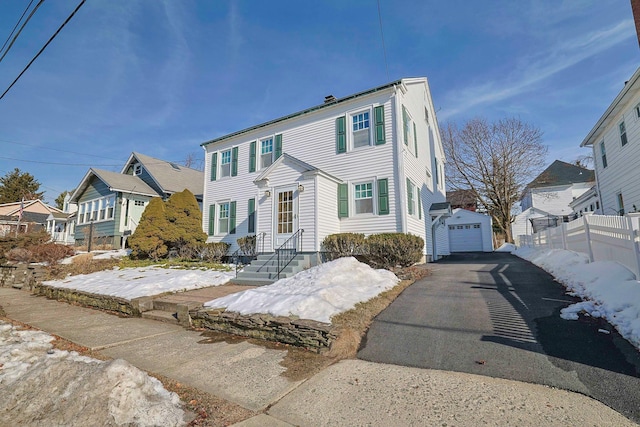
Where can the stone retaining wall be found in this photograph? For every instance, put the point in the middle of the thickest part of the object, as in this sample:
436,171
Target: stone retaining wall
305,333
86,299
21,275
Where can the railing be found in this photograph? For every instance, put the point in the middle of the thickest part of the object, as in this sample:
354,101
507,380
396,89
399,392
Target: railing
239,257
288,250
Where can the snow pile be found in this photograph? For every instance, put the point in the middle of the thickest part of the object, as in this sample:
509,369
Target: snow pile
42,386
609,290
506,247
130,283
317,293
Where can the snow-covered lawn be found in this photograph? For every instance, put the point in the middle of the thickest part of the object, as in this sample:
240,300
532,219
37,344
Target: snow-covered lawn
317,293
130,283
39,383
609,290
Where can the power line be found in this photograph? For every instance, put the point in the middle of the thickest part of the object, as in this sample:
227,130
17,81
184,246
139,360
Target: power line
20,30
53,163
43,48
384,49
57,149
16,26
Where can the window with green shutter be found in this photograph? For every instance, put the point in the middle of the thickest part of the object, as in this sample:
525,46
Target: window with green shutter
252,156
278,148
212,219
214,166
232,217
383,196
343,201
341,135
251,226
379,117
234,161
415,140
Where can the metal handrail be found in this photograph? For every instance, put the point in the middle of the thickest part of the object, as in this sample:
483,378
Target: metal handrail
235,256
289,250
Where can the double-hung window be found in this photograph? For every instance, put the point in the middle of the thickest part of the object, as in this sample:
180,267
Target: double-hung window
103,208
266,152
225,163
623,133
363,198
411,198
223,218
361,129
603,155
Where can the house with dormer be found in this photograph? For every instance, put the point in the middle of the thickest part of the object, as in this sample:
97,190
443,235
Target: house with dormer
367,163
110,204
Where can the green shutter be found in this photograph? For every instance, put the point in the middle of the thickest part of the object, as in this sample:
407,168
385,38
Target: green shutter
415,139
341,135
419,205
232,217
343,201
251,227
212,219
405,119
252,157
214,166
383,196
379,116
278,148
234,161
409,196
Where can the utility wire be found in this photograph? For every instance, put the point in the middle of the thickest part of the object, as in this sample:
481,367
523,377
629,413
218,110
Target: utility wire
24,24
384,49
43,48
16,26
58,149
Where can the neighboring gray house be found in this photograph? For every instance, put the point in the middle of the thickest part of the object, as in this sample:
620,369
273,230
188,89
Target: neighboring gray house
110,204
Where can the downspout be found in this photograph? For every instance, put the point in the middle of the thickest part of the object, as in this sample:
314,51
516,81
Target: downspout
434,243
400,184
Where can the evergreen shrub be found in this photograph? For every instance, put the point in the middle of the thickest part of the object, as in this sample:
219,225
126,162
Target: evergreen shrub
344,244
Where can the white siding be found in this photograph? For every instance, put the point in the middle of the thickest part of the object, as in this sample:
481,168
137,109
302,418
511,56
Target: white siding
463,217
327,200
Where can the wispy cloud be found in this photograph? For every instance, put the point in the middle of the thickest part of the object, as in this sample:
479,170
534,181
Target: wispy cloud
535,68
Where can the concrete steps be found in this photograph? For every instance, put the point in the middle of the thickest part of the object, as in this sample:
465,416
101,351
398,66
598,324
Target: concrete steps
264,269
162,316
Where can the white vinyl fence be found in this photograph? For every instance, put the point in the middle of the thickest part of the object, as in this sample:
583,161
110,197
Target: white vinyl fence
602,237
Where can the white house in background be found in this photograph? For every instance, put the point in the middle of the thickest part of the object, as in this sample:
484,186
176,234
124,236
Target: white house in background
470,231
587,203
549,195
367,163
615,140
61,225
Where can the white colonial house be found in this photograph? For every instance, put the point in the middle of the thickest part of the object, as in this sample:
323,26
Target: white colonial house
366,163
615,140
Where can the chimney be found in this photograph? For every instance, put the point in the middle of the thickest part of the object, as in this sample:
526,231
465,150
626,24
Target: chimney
635,8
329,98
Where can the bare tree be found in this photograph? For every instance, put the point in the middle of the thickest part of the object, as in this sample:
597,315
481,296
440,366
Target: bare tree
193,161
495,161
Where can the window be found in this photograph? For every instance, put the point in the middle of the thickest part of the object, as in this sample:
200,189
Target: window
623,133
360,128
223,218
103,209
411,198
364,198
637,110
225,163
620,204
426,114
139,203
266,152
110,205
597,204
603,154
137,169
407,126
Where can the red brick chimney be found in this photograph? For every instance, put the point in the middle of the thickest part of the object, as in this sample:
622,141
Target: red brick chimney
635,7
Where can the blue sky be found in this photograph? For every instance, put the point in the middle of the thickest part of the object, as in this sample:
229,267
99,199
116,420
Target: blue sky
161,77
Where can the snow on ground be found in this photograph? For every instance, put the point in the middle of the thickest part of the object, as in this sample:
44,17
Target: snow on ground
506,247
120,253
130,283
317,293
609,290
39,383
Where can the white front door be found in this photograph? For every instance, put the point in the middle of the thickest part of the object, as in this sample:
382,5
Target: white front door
286,214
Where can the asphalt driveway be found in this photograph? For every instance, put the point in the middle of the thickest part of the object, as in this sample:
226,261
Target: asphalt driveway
497,315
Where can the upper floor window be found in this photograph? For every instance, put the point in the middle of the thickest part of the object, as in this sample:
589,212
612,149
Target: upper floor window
407,126
603,154
266,152
623,133
225,163
137,169
364,198
637,110
360,128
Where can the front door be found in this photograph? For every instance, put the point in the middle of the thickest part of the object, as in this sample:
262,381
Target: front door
286,214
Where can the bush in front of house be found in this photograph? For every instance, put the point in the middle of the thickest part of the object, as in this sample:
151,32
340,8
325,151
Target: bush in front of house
22,241
184,226
388,250
344,244
147,241
247,245
50,253
214,251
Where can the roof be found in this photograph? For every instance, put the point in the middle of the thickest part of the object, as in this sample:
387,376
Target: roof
116,182
169,176
630,88
562,173
318,107
462,198
35,205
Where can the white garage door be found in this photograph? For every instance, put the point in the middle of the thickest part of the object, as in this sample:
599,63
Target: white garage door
465,238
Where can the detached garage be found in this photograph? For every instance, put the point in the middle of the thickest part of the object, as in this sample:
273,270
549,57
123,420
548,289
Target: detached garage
469,232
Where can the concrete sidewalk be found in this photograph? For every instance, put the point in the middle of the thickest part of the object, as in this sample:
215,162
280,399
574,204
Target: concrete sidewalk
351,392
